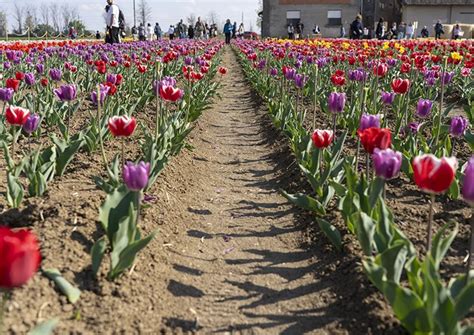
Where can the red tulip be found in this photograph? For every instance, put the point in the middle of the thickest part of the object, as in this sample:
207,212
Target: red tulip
112,88
44,82
19,76
13,84
20,257
400,86
405,68
16,116
122,126
434,175
222,70
338,80
381,69
372,138
170,93
119,79
322,138
141,68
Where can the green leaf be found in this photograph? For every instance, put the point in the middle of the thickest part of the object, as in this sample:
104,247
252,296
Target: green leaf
115,208
376,190
465,300
127,257
331,233
365,230
14,191
393,261
125,234
66,155
305,202
97,254
72,293
441,245
45,328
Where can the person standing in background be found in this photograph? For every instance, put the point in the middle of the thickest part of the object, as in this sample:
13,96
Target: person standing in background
112,20
401,31
424,32
457,32
158,31
171,32
291,32
410,32
241,30
438,28
198,28
380,29
191,32
234,30
228,31
206,31
141,32
356,28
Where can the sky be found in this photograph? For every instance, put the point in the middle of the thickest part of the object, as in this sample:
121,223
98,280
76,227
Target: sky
165,12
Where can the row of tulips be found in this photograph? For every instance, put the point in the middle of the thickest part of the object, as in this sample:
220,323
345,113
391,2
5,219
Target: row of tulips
114,99
373,108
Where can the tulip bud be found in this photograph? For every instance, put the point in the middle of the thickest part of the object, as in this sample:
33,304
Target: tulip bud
369,121
388,97
432,174
20,259
423,108
468,184
31,123
136,176
6,94
322,138
336,102
387,163
458,126
66,92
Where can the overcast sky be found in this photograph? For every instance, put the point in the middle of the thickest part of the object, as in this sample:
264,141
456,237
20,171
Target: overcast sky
165,12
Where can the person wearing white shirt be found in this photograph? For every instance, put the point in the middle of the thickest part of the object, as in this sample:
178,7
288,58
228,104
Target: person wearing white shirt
112,20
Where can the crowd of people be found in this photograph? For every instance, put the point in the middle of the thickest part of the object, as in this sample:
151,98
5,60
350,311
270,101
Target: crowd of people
115,21
358,31
399,32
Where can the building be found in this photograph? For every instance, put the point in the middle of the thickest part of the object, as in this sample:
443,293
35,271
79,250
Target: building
329,15
449,12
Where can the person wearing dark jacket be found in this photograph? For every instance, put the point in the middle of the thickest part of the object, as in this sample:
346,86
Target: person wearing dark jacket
438,30
234,30
356,28
191,32
228,31
424,32
379,31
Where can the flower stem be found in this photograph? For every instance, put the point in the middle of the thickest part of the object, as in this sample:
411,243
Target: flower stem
99,129
471,251
430,223
315,96
123,151
441,103
367,166
334,123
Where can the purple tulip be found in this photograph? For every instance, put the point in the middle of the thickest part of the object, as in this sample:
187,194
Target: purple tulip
468,183
414,127
447,77
300,80
111,78
6,94
423,108
357,75
7,65
31,123
430,77
290,74
387,163
30,79
458,126
104,91
66,92
391,62
55,74
273,72
387,97
136,176
261,64
165,81
369,121
336,102
40,68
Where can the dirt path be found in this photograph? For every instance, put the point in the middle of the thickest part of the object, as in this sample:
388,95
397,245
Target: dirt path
240,266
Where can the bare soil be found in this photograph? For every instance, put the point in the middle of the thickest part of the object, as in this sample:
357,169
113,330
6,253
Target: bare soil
231,255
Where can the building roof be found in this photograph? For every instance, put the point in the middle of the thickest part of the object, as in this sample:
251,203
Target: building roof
437,2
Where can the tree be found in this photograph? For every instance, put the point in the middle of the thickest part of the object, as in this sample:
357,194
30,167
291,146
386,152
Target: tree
68,14
44,13
18,15
78,25
41,29
31,19
144,11
3,23
191,20
260,13
213,18
55,17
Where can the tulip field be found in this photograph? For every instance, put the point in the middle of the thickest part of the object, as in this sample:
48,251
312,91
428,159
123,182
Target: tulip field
108,150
